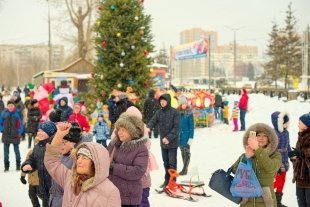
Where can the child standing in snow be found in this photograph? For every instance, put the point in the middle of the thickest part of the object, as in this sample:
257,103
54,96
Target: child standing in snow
33,181
46,131
235,115
101,131
280,121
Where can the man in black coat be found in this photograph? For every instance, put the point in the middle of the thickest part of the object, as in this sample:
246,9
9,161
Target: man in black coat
168,121
151,105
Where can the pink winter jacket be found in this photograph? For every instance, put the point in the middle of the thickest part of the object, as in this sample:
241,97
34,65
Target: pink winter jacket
96,192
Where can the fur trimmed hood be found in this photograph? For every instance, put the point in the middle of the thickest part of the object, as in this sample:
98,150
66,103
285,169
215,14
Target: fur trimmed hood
128,146
261,127
278,119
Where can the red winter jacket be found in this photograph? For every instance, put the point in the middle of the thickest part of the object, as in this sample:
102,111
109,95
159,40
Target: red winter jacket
81,120
243,102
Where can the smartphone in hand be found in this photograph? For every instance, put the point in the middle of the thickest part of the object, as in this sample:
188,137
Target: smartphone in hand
252,134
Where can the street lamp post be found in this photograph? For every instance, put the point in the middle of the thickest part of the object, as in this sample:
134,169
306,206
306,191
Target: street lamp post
235,50
49,38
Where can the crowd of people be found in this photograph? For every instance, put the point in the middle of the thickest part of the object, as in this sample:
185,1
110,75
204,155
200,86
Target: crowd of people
66,168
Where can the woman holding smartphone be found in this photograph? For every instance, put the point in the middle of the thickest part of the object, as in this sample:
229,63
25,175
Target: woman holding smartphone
260,143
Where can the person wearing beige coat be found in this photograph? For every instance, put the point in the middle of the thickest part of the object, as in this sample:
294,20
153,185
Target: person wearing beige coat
87,183
33,181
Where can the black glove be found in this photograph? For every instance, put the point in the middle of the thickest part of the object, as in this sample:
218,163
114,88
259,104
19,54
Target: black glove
295,152
23,180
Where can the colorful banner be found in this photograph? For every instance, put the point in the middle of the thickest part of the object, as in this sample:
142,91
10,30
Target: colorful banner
192,50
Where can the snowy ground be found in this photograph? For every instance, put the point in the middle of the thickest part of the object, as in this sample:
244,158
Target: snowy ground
213,148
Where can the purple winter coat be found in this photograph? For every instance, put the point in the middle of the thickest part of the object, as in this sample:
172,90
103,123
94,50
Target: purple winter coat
130,164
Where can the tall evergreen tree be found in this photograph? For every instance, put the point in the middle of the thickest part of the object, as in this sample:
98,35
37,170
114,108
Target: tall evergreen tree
250,71
162,57
123,42
292,51
274,52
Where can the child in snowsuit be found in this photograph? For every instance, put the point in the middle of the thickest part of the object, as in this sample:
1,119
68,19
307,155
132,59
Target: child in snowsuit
235,115
301,161
36,160
280,122
101,131
33,181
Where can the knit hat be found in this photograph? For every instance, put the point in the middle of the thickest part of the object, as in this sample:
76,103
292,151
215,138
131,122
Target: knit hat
305,119
285,119
85,151
132,123
74,134
33,102
55,116
182,100
48,127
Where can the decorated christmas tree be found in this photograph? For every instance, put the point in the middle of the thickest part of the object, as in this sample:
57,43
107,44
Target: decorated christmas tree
123,43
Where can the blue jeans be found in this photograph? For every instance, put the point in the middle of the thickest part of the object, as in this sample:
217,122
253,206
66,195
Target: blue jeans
7,154
242,119
170,160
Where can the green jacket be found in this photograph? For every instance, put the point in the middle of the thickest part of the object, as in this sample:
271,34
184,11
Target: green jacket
266,162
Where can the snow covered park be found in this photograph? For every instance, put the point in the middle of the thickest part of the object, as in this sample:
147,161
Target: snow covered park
213,148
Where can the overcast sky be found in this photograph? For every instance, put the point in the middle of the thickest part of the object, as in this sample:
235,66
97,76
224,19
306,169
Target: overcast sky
25,21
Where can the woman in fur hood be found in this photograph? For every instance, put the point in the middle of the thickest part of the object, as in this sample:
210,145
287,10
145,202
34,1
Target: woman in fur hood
266,163
129,158
86,183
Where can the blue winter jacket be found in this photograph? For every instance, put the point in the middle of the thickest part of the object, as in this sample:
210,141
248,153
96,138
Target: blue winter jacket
11,125
187,126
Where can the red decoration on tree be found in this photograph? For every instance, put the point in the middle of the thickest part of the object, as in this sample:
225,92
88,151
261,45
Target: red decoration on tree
145,52
146,84
99,7
103,94
142,1
104,43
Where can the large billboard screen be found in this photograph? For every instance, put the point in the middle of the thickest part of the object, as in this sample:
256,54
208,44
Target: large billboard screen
191,50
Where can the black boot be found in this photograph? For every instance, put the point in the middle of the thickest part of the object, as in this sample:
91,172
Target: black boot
164,184
186,159
6,168
279,199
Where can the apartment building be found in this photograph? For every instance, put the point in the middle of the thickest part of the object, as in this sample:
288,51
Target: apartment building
23,61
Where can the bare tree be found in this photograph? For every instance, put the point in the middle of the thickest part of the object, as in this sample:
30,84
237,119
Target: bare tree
78,18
